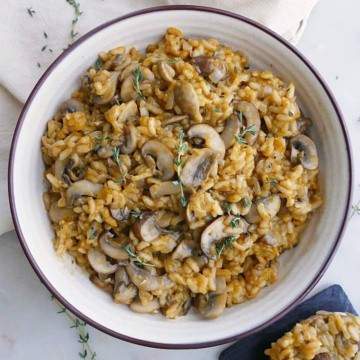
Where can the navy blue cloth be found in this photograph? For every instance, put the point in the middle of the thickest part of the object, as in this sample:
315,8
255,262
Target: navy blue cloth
252,347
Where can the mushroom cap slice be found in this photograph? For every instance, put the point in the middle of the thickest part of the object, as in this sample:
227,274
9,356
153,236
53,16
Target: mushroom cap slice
124,290
120,214
303,149
211,137
57,214
252,118
165,70
184,249
187,100
99,263
272,205
149,308
127,91
209,66
164,159
211,306
198,167
81,188
101,284
163,189
146,281
129,146
231,129
220,285
270,239
111,248
71,106
146,228
213,233
172,119
110,92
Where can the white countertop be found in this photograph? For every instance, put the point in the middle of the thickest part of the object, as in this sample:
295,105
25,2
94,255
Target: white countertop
30,327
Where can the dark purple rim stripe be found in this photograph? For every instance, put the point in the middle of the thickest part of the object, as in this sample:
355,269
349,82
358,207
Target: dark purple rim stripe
78,313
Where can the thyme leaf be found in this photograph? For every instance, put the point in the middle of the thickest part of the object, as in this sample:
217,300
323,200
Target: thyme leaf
116,157
224,244
30,11
136,215
272,182
98,63
240,137
136,257
170,61
177,161
138,79
78,13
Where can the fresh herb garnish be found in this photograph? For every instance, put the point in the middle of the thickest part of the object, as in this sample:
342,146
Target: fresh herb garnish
228,208
45,35
272,182
235,222
225,243
356,209
92,233
246,202
138,79
31,12
176,59
291,113
44,48
136,257
38,64
217,110
177,160
116,157
98,63
84,337
136,215
78,13
240,137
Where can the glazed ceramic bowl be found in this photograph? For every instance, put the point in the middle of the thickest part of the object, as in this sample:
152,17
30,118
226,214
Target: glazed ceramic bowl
300,268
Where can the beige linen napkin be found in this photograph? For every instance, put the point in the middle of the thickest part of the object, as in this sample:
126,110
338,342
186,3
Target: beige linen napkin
34,32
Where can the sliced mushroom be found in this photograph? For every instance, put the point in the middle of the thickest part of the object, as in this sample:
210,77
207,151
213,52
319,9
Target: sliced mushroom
230,131
172,119
81,188
165,70
58,214
124,290
220,285
272,206
73,170
211,306
99,263
198,167
127,91
324,356
111,248
129,146
209,66
159,156
252,118
146,228
187,100
101,284
303,125
72,106
146,281
303,149
270,239
110,92
184,249
149,308
122,214
210,136
163,189
129,112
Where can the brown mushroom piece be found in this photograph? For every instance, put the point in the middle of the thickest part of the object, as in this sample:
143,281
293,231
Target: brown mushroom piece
187,100
124,290
129,112
215,232
163,189
272,205
231,129
71,106
211,306
127,91
303,149
110,92
184,249
220,285
98,262
173,119
149,308
73,170
81,188
146,281
210,136
129,146
303,125
121,214
270,239
165,70
57,214
198,167
212,67
111,248
101,284
324,356
159,156
146,228
252,118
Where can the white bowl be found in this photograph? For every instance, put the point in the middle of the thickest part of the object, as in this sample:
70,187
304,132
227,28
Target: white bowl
300,268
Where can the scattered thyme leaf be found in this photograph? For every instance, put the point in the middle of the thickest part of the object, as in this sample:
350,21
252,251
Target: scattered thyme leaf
31,12
138,79
272,182
356,209
217,110
45,35
116,157
98,63
136,257
38,64
228,208
225,243
174,60
235,222
246,202
136,215
240,137
44,48
92,233
78,13
177,161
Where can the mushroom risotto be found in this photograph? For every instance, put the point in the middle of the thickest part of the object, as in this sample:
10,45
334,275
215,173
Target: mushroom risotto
325,336
178,177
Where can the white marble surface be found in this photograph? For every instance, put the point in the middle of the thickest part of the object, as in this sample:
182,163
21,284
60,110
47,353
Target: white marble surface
30,327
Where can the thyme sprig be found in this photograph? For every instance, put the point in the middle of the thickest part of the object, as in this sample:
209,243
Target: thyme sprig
240,137
136,215
138,79
116,157
356,209
246,202
177,161
235,221
225,243
174,60
74,22
30,11
136,257
87,352
92,233
98,63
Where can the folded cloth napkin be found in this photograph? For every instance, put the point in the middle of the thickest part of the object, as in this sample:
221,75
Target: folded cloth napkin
252,347
35,32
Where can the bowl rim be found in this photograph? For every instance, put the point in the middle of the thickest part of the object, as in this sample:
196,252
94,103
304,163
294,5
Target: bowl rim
103,328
